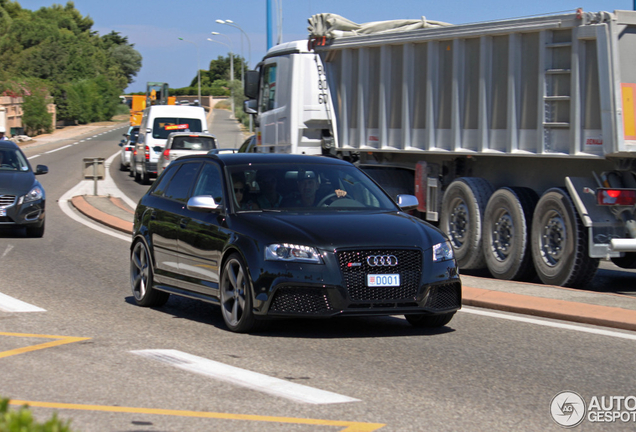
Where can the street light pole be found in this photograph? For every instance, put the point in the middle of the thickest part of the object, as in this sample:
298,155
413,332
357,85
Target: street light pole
231,66
198,67
231,23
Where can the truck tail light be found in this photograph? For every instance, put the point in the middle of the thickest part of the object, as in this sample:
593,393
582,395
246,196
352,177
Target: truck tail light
166,154
421,174
147,153
618,197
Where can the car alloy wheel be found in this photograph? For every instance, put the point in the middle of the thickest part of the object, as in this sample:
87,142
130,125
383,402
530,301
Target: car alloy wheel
236,303
141,278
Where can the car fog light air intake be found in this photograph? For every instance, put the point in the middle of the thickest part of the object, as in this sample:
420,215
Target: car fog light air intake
292,253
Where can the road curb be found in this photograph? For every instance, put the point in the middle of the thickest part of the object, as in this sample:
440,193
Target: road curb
584,313
97,215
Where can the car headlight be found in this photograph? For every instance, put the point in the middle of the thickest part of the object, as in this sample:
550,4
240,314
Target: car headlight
292,253
34,194
443,252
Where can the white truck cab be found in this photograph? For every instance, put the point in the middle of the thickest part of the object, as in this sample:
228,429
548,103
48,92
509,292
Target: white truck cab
294,108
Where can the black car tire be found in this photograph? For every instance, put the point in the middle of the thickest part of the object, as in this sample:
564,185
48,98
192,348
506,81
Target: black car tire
236,296
141,278
429,321
35,231
122,166
145,178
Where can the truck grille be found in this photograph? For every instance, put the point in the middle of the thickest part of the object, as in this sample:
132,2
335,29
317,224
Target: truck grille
409,268
7,200
300,300
446,296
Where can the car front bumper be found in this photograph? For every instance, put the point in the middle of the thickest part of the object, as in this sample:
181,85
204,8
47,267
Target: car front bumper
29,213
337,289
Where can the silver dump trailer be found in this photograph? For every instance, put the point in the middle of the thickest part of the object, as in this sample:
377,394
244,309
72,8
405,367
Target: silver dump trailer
518,137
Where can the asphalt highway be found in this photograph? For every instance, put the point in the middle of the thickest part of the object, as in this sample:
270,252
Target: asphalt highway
94,357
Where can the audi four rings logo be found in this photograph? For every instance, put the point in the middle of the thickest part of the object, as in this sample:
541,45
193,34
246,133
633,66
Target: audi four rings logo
382,260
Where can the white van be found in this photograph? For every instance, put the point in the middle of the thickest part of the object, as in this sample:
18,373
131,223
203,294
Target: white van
157,123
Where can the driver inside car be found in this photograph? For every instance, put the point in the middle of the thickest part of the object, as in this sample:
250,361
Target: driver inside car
307,187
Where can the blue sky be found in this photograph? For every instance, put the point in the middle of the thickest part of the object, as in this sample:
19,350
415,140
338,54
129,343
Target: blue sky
154,26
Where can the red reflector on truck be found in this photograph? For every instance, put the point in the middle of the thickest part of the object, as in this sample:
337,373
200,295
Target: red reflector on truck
622,197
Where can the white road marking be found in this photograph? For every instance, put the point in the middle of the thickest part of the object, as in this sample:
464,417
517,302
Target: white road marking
57,149
104,187
535,321
7,250
10,304
245,378
33,157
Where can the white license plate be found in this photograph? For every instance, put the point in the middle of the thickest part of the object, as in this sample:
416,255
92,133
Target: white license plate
383,280
3,212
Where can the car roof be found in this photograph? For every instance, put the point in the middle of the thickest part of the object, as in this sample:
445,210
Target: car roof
229,159
6,144
201,134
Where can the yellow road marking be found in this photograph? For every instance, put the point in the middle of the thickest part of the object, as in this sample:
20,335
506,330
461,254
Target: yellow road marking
348,426
60,340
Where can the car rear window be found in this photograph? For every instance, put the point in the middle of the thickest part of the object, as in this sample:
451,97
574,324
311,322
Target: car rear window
193,143
164,126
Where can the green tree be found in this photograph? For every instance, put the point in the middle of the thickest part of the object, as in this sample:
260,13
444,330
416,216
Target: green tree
36,118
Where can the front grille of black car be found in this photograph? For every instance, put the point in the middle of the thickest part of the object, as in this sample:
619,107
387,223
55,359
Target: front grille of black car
354,268
7,200
446,296
300,300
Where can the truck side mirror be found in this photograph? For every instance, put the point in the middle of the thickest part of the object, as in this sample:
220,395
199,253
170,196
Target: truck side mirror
250,88
249,106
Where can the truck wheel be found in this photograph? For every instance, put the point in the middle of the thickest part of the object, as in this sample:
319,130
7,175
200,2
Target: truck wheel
462,219
507,222
559,242
628,261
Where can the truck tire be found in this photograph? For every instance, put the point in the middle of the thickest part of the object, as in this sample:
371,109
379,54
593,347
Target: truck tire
559,242
506,244
462,218
628,261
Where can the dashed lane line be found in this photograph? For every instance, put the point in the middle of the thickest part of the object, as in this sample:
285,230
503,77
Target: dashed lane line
348,426
59,340
245,378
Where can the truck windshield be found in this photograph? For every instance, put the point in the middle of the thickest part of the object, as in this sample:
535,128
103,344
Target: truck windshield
164,126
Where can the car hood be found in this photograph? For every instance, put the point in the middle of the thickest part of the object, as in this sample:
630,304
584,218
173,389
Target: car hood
329,231
16,182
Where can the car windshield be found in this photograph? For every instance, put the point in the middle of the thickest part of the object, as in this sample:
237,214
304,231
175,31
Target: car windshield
305,187
164,126
193,142
12,160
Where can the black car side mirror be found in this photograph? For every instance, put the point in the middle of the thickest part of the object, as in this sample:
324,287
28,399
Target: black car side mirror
41,169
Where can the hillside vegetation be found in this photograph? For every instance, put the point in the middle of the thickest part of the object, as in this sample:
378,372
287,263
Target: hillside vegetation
53,52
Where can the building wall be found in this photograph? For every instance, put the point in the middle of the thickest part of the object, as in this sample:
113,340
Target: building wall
13,113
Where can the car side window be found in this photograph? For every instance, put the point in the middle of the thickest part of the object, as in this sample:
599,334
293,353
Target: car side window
210,182
182,182
160,185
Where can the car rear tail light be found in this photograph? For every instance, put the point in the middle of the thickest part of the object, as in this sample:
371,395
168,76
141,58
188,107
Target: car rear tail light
166,154
147,153
620,197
